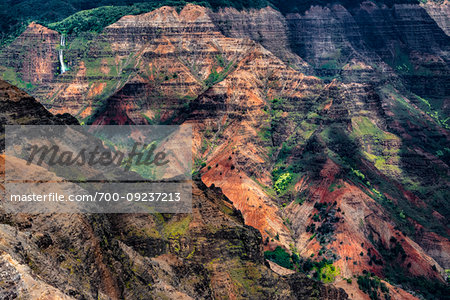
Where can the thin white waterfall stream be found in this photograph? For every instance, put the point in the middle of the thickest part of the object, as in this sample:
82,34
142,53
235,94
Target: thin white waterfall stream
61,54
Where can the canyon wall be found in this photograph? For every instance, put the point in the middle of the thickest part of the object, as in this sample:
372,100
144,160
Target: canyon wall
209,253
351,103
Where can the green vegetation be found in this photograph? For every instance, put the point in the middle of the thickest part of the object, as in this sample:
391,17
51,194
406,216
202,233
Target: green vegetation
282,182
247,279
420,175
325,220
284,142
371,285
14,78
384,149
334,61
358,174
244,277
144,233
341,143
280,257
401,62
364,127
95,20
328,273
177,228
322,270
386,158
215,76
434,113
374,140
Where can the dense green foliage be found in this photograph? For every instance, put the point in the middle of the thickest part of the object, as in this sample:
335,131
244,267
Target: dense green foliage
95,19
282,182
279,256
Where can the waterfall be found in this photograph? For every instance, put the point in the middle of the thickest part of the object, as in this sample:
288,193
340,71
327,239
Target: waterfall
61,54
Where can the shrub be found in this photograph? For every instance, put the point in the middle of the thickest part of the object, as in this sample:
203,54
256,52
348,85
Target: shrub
371,285
280,257
282,183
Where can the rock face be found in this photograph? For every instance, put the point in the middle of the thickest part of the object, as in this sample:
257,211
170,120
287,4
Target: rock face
351,166
439,13
18,108
209,253
404,38
33,55
265,26
411,40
